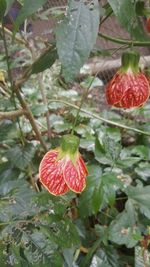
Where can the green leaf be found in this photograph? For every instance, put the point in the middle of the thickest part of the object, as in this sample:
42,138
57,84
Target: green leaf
141,196
130,209
41,250
122,232
9,4
16,201
45,61
107,146
85,201
140,8
142,257
143,170
100,153
21,156
3,255
76,35
124,10
63,233
103,232
68,255
97,198
142,151
109,256
38,109
2,8
29,7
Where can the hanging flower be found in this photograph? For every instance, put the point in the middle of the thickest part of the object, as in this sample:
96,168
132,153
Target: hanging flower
63,168
148,25
129,87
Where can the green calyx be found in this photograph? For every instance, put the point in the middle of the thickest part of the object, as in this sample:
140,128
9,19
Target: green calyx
130,60
147,72
70,144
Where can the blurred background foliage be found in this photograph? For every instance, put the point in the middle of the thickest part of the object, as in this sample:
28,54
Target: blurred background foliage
42,81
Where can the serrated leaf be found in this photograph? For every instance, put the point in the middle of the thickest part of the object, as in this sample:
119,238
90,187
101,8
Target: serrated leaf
85,200
122,232
97,198
142,151
143,170
41,251
21,156
63,233
29,7
141,196
100,153
16,201
45,61
142,257
76,35
38,109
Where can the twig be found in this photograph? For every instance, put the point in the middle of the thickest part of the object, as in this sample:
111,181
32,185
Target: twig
31,47
20,98
45,102
93,115
12,114
11,35
124,41
31,119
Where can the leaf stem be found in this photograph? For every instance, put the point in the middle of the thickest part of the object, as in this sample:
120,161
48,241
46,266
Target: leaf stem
21,99
31,119
84,96
11,114
109,122
124,41
11,80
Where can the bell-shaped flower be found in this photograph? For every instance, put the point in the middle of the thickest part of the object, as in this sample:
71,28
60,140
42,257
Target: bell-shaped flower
63,169
129,87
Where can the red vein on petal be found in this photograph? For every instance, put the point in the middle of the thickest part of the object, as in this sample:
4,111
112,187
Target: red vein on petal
74,176
51,175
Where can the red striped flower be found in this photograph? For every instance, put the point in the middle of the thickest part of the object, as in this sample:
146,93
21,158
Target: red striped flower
148,25
129,87
63,168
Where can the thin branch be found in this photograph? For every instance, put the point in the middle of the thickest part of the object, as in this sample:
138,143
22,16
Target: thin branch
21,41
124,41
109,122
20,98
31,119
12,114
45,102
31,47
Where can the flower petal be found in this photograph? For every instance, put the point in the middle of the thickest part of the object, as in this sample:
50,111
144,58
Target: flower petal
127,90
51,175
83,167
74,175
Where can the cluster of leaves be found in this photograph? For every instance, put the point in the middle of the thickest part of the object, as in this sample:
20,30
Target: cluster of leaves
108,224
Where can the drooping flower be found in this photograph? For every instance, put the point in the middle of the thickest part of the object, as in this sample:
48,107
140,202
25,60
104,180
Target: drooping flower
129,87
148,25
63,168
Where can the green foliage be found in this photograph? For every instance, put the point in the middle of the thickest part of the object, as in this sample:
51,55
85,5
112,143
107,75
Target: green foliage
108,224
29,7
76,35
9,4
125,13
2,8
45,61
